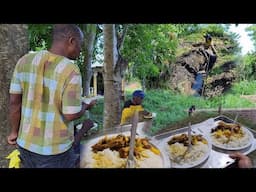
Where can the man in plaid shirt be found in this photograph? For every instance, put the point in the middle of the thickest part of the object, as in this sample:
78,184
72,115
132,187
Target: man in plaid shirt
45,98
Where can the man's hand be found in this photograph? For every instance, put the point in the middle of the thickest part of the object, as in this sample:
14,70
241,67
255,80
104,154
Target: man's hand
11,139
87,125
242,160
92,103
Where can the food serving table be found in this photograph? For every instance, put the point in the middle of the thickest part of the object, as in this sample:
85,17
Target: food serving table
218,158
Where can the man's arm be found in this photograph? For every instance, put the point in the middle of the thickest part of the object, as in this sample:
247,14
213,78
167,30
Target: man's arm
14,115
91,104
71,117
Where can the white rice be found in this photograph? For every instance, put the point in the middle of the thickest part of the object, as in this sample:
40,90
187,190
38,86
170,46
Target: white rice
181,157
233,141
106,159
110,159
154,161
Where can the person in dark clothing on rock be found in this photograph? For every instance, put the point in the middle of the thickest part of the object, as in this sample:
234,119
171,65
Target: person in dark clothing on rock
210,55
209,52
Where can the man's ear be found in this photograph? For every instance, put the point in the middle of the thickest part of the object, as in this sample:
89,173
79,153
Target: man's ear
71,40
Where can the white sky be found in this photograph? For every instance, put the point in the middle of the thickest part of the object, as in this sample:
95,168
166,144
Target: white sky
244,40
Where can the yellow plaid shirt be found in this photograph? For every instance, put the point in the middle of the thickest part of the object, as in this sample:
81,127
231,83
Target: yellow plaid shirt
50,86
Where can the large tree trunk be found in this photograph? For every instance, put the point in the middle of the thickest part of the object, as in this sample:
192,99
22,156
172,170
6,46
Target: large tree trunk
89,33
14,44
112,84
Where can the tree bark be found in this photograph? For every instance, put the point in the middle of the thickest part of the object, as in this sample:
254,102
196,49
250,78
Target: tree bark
112,87
90,34
14,44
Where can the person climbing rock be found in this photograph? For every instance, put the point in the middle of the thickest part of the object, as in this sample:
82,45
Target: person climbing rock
209,53
201,70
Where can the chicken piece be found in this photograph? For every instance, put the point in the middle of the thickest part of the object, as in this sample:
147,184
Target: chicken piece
145,143
124,152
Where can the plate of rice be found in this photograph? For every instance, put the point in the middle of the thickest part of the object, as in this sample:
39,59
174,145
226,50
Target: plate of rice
111,151
181,156
230,136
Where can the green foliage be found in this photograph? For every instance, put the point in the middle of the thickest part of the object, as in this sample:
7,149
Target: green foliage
247,68
96,113
39,36
252,33
216,30
226,42
97,55
194,37
230,40
245,87
230,100
171,108
187,29
80,62
235,101
149,49
227,57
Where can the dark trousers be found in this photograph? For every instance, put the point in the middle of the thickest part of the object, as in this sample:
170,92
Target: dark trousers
212,60
68,159
198,84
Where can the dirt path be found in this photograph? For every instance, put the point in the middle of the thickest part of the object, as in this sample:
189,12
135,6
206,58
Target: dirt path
5,149
251,98
132,86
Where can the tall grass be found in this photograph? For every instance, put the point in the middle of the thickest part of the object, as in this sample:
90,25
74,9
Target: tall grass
245,87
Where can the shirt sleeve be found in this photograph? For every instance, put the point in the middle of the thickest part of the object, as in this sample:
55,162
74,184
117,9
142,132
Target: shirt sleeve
71,100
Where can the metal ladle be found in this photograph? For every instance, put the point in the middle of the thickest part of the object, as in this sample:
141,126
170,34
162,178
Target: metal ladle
131,161
190,111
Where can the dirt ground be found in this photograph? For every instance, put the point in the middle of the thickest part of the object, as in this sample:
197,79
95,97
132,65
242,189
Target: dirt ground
251,98
5,149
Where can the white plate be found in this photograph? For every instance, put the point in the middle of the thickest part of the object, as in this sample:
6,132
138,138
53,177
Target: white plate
79,126
86,155
193,163
150,117
228,147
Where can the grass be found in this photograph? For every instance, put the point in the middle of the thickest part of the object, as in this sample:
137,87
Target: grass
172,109
245,87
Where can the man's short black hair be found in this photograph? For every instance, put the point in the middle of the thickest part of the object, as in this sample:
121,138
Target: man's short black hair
63,31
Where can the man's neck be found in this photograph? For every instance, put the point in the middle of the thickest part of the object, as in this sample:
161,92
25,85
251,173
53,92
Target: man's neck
58,50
